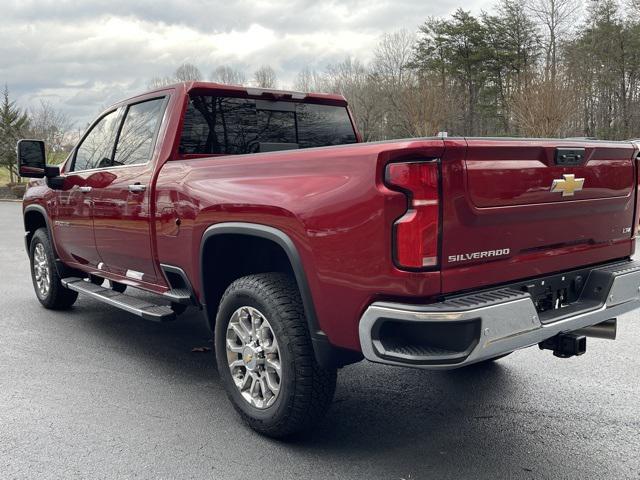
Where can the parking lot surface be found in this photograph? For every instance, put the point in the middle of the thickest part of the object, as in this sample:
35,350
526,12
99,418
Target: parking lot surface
98,393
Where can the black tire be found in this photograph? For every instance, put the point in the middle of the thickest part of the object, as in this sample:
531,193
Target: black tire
178,308
57,297
117,286
306,389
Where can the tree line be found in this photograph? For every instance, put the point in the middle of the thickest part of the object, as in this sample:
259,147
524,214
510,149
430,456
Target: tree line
533,68
42,121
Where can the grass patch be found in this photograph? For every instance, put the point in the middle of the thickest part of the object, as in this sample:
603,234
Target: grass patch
4,177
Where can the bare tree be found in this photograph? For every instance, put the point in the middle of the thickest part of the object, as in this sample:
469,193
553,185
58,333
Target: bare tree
228,75
187,72
393,54
265,77
352,79
159,82
52,126
422,109
398,86
545,109
633,5
556,18
308,80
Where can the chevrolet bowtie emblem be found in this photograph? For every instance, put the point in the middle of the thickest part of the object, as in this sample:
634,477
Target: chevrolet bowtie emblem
568,185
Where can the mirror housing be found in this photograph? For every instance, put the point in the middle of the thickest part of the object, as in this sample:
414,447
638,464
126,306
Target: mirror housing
31,159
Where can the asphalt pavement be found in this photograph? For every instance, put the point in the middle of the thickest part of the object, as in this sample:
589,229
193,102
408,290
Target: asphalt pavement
98,393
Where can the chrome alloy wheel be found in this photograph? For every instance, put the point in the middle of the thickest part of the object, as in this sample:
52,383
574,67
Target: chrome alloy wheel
253,356
41,270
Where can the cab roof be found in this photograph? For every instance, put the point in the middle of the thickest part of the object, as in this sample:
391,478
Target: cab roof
239,90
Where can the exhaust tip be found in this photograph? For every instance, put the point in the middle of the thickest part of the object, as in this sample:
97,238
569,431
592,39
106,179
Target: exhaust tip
606,330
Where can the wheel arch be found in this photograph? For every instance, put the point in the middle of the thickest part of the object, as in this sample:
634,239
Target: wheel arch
220,244
265,233
35,217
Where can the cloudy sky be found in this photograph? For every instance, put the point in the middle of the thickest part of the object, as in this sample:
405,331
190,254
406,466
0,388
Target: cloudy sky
83,55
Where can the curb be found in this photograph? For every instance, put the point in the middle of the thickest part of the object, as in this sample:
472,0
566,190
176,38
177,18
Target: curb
10,200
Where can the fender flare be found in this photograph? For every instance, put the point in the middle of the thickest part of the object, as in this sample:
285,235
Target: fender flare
281,239
62,269
42,211
326,354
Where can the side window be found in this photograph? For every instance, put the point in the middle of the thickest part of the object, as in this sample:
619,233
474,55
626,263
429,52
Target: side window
96,148
136,141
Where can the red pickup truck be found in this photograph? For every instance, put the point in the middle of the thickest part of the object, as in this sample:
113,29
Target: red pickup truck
308,250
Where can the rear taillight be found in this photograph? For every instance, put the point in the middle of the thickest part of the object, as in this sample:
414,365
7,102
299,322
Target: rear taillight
416,232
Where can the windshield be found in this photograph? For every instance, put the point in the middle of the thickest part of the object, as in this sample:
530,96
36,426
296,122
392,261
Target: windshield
228,125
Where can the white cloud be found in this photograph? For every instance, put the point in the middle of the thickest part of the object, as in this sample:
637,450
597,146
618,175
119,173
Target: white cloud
83,55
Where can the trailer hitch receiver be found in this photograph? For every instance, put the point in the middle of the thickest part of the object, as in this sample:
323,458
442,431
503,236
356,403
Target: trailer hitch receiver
565,345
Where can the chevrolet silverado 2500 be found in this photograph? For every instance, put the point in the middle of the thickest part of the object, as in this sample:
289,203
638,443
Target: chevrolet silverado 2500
308,250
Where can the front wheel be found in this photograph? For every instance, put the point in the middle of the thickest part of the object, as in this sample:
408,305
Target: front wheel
265,358
117,286
46,281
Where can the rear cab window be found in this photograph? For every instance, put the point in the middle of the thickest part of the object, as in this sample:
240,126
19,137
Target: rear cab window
217,125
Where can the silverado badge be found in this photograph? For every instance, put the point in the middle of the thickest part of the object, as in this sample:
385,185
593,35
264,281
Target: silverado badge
568,185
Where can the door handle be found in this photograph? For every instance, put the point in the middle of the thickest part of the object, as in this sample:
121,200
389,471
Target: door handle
137,188
84,189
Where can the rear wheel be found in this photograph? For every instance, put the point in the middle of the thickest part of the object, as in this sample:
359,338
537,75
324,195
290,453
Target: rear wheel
265,358
46,281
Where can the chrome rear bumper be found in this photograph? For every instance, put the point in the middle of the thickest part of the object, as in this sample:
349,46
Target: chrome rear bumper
490,323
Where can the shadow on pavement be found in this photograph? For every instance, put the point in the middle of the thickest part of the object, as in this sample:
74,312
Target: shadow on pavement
455,421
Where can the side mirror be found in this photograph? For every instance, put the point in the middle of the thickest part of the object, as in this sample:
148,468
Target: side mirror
31,159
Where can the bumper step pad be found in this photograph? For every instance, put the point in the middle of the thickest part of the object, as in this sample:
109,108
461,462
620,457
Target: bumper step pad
137,306
470,328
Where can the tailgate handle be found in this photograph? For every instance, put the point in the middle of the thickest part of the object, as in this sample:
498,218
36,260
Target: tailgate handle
569,156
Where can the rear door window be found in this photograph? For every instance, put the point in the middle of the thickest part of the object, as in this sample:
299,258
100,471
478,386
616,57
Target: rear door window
228,125
137,137
97,147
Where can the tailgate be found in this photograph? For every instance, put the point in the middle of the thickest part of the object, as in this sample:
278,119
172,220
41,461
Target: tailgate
515,209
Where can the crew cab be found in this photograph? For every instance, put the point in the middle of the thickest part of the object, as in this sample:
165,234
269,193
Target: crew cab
307,249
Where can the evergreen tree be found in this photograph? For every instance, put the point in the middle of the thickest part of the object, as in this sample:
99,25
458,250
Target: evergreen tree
514,48
457,49
14,123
